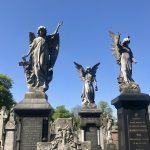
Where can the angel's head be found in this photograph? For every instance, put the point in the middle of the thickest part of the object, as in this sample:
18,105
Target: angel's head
41,31
126,40
88,69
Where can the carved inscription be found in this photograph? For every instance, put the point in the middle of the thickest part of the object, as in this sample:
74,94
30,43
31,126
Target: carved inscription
31,132
138,131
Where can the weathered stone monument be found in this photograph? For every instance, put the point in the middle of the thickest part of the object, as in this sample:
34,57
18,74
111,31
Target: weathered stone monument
10,130
133,121
108,132
32,113
90,127
114,134
3,117
89,115
131,104
32,120
64,137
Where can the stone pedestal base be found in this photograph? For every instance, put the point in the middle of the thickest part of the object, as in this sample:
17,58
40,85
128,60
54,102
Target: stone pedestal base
90,127
110,147
48,146
133,122
32,120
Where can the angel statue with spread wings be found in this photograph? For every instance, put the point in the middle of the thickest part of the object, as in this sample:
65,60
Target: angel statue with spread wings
42,54
124,58
88,76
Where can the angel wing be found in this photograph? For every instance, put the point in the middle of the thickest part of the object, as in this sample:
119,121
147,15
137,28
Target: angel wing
54,48
80,70
94,69
31,37
115,45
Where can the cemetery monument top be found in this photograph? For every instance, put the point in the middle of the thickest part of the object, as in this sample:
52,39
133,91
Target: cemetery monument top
88,76
124,58
42,54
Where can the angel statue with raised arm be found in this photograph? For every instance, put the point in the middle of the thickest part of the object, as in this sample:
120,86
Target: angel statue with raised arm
89,77
124,58
42,54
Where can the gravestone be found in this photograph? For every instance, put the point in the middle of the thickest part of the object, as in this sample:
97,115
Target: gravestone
10,129
133,121
32,120
64,138
114,133
62,123
90,127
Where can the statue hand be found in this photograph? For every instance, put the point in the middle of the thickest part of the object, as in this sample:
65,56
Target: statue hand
134,61
56,30
50,69
60,23
24,57
118,62
119,34
96,88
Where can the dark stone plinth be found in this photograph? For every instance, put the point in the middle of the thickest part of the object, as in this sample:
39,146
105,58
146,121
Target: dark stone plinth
133,122
32,120
90,124
34,103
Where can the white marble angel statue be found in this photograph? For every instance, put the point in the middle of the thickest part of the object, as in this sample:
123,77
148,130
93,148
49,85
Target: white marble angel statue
124,58
42,54
89,77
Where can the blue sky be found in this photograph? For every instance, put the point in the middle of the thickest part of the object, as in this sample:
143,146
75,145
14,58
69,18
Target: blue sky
84,38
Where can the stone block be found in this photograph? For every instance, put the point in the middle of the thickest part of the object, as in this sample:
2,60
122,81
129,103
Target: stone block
90,124
133,121
32,120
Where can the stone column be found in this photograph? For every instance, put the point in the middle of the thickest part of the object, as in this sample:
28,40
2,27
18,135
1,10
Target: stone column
133,121
82,135
98,135
102,138
32,120
3,116
90,124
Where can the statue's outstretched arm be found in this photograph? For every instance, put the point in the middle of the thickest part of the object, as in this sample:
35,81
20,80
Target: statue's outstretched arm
57,28
31,44
30,51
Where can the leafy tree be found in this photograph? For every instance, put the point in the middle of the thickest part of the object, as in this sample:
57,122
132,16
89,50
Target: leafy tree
106,114
76,119
6,98
75,110
104,107
61,112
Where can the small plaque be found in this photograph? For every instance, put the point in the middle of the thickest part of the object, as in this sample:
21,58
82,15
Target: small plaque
31,132
138,135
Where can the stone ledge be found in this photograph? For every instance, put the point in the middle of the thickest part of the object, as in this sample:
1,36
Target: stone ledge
33,103
137,99
48,146
35,95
